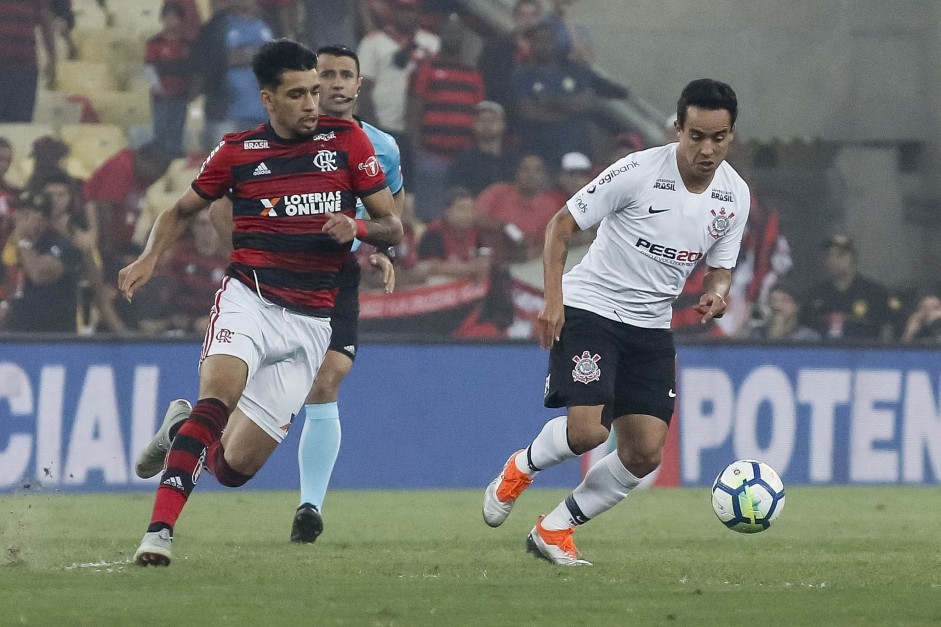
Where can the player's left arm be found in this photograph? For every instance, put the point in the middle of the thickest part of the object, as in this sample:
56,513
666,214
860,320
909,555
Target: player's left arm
384,228
381,259
716,285
718,279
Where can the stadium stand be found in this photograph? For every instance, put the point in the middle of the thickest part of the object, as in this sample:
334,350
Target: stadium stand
84,77
121,108
92,144
105,45
54,108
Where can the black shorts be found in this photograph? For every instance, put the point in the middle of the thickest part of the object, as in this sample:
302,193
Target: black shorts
628,369
344,321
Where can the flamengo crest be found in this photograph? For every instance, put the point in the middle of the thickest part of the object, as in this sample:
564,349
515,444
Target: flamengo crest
720,223
326,160
586,367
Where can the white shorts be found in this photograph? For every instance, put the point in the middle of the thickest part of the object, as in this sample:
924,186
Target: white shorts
283,351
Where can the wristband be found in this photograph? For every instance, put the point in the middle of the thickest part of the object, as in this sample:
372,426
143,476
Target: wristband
362,230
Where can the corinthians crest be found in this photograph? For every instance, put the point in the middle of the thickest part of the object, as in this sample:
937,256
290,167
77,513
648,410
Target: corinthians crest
586,367
720,223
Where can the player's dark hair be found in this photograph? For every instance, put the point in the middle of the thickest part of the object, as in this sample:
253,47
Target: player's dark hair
338,50
279,56
5,143
709,94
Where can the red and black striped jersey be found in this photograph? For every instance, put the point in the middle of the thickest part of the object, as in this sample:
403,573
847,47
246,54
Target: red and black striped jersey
18,22
282,193
448,94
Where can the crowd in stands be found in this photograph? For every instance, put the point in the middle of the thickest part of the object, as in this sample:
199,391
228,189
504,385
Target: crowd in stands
496,132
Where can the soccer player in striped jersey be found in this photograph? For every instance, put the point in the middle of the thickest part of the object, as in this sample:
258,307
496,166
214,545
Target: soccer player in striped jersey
319,445
293,182
607,321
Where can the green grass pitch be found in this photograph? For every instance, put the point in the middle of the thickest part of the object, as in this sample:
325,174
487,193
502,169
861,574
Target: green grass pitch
837,556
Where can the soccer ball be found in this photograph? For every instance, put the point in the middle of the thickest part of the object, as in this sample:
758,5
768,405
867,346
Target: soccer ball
748,496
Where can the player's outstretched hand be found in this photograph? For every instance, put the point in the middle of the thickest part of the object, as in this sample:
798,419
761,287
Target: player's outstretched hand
340,227
550,321
133,276
383,263
711,305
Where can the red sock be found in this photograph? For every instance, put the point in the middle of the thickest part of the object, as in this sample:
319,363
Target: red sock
185,460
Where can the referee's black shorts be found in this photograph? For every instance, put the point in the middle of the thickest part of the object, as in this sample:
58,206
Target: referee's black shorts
344,321
597,361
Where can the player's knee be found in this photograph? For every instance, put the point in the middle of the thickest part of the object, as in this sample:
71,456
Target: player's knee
640,463
233,480
233,470
233,475
326,387
581,440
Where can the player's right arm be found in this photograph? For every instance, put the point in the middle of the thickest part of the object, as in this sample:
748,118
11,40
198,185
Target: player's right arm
554,254
168,228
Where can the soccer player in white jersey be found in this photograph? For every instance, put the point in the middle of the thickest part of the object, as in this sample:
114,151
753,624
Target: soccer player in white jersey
607,321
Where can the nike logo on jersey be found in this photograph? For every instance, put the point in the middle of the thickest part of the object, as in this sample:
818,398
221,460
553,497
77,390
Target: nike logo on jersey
671,393
652,210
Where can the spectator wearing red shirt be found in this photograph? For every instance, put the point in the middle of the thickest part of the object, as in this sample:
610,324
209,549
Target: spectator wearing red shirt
516,214
441,117
451,246
192,18
168,59
116,192
196,267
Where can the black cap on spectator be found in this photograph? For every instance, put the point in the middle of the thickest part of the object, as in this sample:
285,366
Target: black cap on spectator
49,149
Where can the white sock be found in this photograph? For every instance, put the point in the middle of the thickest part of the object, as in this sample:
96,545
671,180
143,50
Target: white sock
550,448
605,485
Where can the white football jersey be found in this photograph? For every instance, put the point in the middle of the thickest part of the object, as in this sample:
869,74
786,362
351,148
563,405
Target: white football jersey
652,233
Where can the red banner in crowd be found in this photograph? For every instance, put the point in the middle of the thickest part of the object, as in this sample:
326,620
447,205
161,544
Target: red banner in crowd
421,300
